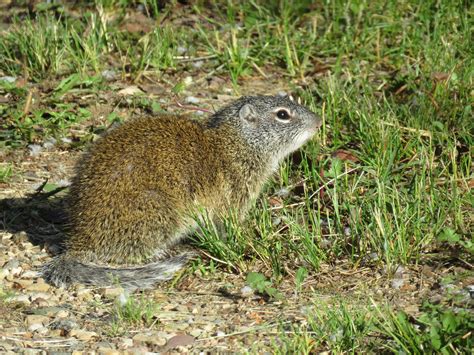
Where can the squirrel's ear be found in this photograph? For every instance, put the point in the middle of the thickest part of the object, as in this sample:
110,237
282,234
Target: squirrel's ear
247,112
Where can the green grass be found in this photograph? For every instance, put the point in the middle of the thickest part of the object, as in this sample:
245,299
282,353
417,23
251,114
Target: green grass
133,312
6,172
341,327
392,81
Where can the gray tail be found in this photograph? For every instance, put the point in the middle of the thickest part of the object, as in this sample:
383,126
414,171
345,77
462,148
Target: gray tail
64,270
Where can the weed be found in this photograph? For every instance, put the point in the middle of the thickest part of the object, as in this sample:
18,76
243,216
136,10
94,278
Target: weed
259,283
6,172
436,330
339,327
204,269
135,312
74,81
455,240
154,51
37,47
300,276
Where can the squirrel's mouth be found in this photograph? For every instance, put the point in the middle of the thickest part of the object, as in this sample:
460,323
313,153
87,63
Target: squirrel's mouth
319,122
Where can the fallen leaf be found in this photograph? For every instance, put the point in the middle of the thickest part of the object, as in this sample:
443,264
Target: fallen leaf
345,155
275,202
439,77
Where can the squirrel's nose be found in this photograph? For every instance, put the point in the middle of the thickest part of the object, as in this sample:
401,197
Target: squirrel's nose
319,121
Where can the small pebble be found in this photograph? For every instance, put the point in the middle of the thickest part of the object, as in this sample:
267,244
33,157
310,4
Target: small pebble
12,264
283,192
196,333
38,287
35,149
8,79
20,237
123,298
470,289
63,183
40,302
109,75
209,327
198,64
188,80
35,326
374,256
43,295
397,283
83,335
30,274
16,271
181,50
126,343
276,221
400,270
149,338
112,292
49,143
62,314
23,283
64,324
36,318
191,100
4,273
25,299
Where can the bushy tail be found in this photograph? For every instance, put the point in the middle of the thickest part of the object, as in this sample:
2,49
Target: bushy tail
64,270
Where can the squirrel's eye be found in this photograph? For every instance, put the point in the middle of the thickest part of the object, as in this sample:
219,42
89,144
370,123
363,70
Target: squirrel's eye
283,115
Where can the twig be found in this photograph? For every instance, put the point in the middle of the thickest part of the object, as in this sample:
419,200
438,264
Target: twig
184,59
332,180
29,99
260,70
423,132
46,341
219,261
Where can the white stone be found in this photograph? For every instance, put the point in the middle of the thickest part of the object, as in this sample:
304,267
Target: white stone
246,291
83,334
35,149
397,283
191,100
30,274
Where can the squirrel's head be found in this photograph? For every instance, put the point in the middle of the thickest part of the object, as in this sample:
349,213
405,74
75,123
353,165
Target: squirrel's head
275,125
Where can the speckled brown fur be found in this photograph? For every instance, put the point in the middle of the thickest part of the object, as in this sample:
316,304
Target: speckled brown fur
138,187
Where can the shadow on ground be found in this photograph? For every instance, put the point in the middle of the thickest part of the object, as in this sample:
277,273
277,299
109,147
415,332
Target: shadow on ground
40,217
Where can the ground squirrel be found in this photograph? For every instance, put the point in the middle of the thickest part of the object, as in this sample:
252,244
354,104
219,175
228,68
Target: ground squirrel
138,189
